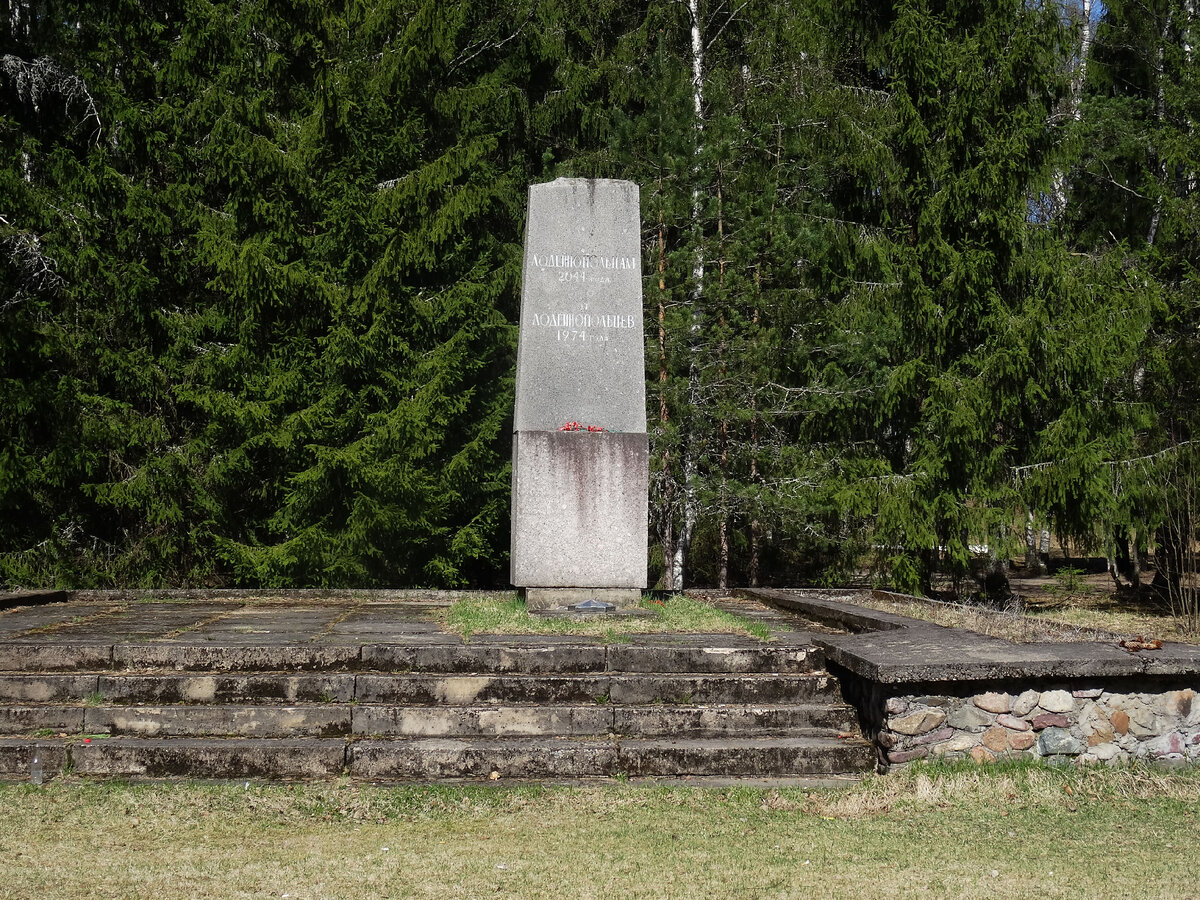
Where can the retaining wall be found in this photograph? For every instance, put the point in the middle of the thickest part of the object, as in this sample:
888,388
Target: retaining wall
925,691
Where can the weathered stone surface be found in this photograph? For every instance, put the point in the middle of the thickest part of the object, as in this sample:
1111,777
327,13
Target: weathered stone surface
932,700
1178,703
659,719
334,687
1050,720
16,754
1102,733
1021,740
934,737
1056,741
1165,745
463,690
1025,703
969,717
579,498
741,757
46,656
235,657
1142,721
1087,694
918,722
896,706
34,688
762,658
562,601
960,743
1104,752
324,720
994,702
580,354
1120,721
982,755
210,758
1013,723
472,721
903,756
688,688
27,719
480,657
579,509
995,739
1057,701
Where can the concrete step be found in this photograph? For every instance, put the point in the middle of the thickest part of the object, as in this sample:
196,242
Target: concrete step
436,758
492,656
286,759
565,758
341,719
415,688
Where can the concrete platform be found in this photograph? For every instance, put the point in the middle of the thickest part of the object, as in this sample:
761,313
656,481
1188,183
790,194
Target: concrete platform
213,687
893,649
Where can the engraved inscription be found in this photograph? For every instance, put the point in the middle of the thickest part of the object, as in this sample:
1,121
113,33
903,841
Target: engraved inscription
584,261
575,326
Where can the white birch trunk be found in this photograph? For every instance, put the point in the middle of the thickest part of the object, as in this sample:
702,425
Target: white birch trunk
1087,35
690,507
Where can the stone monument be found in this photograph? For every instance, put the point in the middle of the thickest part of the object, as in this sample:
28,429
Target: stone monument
580,450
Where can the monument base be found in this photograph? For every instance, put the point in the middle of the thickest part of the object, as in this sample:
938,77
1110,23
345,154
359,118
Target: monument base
539,599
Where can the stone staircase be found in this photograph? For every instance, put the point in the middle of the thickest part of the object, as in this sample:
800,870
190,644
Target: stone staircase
426,708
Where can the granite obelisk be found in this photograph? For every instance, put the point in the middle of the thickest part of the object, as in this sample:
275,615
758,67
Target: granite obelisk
580,449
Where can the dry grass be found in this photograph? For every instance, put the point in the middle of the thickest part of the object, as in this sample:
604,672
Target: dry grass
946,832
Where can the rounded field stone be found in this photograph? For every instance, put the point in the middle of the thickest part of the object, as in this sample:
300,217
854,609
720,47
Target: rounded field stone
903,756
1021,740
996,739
1058,741
1057,701
1050,720
1013,723
1089,694
934,737
1025,703
1104,752
982,755
970,717
994,702
918,723
957,744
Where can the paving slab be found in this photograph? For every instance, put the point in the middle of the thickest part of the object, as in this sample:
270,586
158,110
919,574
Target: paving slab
893,649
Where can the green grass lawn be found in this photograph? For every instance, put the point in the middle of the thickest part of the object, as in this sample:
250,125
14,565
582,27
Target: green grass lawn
951,831
677,614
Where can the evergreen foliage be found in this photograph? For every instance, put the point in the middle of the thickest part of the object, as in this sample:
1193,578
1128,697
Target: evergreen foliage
916,272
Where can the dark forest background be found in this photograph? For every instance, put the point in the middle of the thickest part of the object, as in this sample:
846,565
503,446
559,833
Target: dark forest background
920,281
